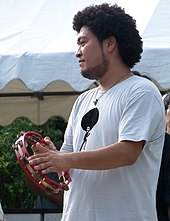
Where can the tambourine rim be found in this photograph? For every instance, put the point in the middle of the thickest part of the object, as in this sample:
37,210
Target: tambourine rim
48,181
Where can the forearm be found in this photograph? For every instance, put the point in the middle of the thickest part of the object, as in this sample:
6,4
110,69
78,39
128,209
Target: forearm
113,156
116,155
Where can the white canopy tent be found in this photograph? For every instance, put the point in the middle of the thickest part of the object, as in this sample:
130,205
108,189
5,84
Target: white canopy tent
39,74
155,60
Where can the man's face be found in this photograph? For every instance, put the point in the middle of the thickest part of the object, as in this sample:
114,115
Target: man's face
93,64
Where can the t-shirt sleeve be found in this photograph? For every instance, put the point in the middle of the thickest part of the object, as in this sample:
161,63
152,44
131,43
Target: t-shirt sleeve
142,117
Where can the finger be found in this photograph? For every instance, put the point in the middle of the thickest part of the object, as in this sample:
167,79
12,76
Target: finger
41,148
38,161
34,149
47,140
42,166
46,170
49,143
36,156
50,169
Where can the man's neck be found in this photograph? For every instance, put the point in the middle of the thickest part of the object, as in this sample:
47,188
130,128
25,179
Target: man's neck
109,81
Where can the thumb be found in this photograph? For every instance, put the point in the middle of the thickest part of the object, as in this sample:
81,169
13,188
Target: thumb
41,148
49,143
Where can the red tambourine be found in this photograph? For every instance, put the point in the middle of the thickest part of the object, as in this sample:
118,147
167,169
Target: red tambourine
22,149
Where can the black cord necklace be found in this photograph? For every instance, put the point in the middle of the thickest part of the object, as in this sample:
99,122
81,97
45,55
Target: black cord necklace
104,92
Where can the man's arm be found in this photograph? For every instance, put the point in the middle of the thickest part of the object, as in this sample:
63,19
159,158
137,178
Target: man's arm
120,154
124,153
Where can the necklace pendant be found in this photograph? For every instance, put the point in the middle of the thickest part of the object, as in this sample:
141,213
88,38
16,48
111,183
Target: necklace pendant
95,102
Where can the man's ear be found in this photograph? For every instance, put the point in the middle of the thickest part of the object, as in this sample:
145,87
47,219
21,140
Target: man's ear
110,43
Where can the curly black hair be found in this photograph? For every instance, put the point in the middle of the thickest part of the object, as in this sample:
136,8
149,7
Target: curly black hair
107,20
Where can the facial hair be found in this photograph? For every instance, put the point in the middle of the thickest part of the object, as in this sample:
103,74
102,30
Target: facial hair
98,71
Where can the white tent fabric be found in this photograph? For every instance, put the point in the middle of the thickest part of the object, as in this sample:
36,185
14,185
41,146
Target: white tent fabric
37,54
155,60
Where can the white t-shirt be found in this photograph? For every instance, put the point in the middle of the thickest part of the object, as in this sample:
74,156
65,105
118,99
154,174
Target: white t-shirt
2,218
131,110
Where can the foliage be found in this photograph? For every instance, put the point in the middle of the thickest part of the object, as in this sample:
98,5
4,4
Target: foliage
13,190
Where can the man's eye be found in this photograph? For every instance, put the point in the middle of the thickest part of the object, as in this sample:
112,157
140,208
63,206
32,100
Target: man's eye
82,43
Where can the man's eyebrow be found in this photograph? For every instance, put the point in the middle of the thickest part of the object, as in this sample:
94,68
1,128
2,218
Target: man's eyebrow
80,38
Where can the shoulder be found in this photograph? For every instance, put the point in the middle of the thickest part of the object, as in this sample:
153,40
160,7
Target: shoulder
142,84
136,87
139,86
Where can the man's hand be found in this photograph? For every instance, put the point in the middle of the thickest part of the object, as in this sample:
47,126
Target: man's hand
47,160
44,147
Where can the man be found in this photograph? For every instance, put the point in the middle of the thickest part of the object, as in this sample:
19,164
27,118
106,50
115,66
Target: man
115,133
163,190
163,186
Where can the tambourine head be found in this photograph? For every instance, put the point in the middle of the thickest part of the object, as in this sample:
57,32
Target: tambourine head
51,183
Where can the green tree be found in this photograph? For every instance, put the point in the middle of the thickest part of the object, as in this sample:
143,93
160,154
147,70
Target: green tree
13,190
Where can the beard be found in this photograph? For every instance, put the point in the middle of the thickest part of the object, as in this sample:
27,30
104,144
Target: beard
96,72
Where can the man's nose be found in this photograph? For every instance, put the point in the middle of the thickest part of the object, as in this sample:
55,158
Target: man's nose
78,53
